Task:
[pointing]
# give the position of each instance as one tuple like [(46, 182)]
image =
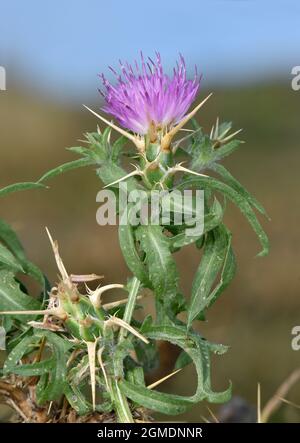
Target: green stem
[(120, 401), (134, 289), (121, 404)]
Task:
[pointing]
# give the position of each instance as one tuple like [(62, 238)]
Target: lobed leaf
[(13, 299), (54, 385), (172, 404), (235, 197)]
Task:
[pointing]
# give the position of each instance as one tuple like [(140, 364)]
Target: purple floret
[(147, 96)]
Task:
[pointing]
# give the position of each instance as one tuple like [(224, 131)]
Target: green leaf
[(147, 355), (154, 400), (14, 339), (40, 387), (55, 340), (172, 404), (202, 153), (136, 376), (25, 346), (2, 338), (39, 368), (227, 274), (99, 145), (235, 197), (13, 299), (54, 386), (184, 359), (77, 399), (197, 137), (20, 187), (211, 220), (225, 150), (130, 254), (9, 237), (218, 348), (75, 389), (80, 150), (160, 263), (8, 260), (75, 164), (216, 251), (54, 367), (7, 323), (178, 304), (117, 148), (231, 181), (110, 172)]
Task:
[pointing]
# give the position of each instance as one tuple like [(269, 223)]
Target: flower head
[(145, 99)]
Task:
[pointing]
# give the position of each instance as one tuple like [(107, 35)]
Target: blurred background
[(52, 53)]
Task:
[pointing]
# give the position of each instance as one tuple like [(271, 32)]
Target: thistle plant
[(82, 355)]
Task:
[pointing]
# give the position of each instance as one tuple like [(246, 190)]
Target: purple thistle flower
[(146, 98)]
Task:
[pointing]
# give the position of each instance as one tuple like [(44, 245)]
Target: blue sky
[(60, 46)]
